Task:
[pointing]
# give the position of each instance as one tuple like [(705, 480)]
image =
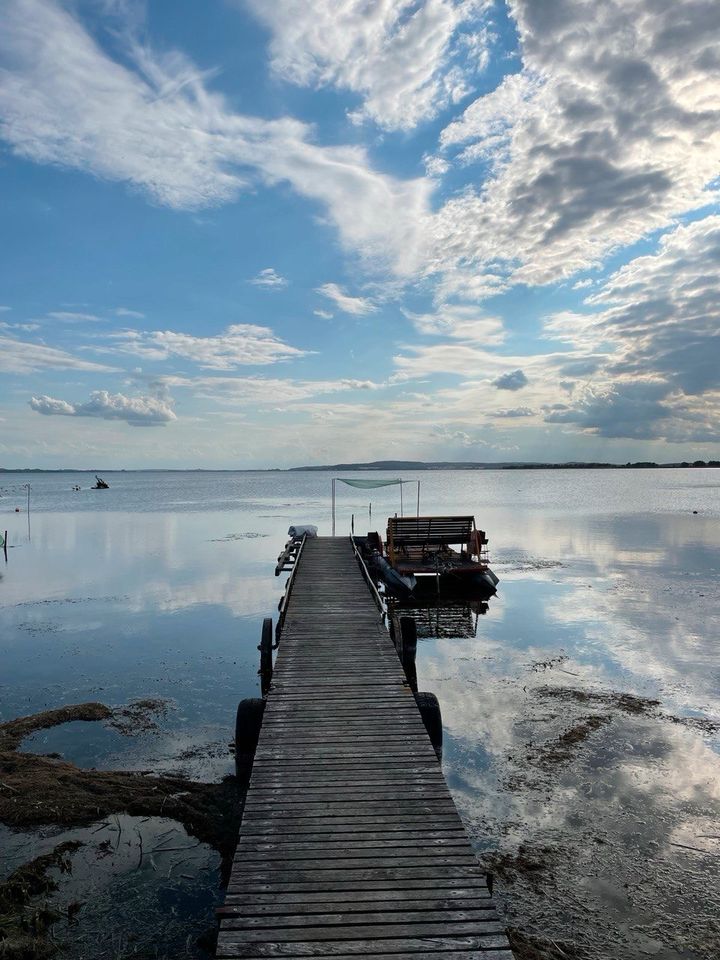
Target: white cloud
[(462, 358), (461, 322), (250, 391), (131, 314), (470, 285), (137, 411), (611, 129), (457, 437), (489, 121), (21, 356), (324, 314), (357, 306), (403, 57), (65, 316), (241, 344), (269, 278), (151, 122), (435, 166), (25, 327)]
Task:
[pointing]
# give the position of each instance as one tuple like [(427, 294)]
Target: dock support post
[(333, 506)]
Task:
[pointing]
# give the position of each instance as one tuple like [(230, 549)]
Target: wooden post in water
[(333, 506)]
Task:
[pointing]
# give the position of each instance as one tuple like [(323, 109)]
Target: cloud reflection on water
[(632, 608)]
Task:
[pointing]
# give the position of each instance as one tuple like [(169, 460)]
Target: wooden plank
[(377, 809), (408, 750), (415, 885), (327, 874), (280, 907), (351, 842), (344, 779), (387, 823), (320, 859), (234, 918), (376, 931), (422, 952), (365, 897), (496, 946), (339, 839), (346, 792), (370, 766)]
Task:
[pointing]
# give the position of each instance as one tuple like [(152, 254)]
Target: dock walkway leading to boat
[(350, 843)]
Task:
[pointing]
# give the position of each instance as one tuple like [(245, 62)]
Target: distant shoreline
[(383, 465)]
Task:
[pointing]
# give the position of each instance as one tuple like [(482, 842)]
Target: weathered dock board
[(350, 842)]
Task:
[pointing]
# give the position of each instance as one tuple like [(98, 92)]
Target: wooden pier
[(350, 843)]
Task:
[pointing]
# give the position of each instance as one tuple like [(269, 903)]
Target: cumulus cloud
[(136, 411), (514, 412), (659, 319), (624, 410), (21, 356), (151, 121), (457, 437), (269, 278), (241, 344), (357, 306), (405, 58), (514, 380), (664, 309), (610, 130)]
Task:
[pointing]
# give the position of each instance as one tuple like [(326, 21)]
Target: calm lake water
[(598, 815)]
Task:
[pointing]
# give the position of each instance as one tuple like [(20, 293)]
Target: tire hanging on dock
[(266, 647), (429, 708), (248, 722)]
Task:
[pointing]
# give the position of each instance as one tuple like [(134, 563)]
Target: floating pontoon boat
[(443, 555)]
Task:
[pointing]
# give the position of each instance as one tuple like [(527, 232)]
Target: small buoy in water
[(17, 509), (694, 511)]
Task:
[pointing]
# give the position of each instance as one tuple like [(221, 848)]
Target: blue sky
[(249, 234)]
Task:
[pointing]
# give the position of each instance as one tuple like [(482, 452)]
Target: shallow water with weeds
[(580, 707)]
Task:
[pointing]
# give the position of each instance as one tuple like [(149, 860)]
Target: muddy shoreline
[(46, 790)]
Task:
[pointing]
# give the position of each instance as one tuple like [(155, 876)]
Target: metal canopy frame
[(400, 482)]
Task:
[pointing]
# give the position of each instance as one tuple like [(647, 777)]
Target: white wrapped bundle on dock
[(302, 530)]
